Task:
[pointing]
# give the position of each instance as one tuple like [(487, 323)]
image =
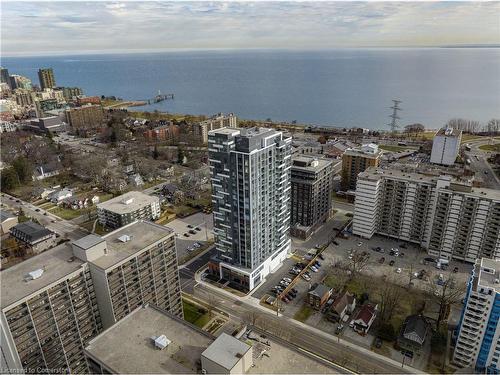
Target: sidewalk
[(256, 303)]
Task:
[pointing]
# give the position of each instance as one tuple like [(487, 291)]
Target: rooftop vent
[(124, 238), (128, 201), (161, 342), (33, 275), (497, 281)]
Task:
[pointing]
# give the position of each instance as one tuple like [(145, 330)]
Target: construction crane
[(394, 116)]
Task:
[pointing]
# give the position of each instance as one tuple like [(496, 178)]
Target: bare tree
[(469, 126), (389, 294), (356, 264), (445, 295), (493, 126), (252, 317)]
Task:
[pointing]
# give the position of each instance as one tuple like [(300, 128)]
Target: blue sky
[(31, 28)]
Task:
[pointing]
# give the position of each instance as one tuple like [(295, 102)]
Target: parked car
[(190, 226), (186, 234), (317, 264), (197, 244), (455, 270), (398, 270), (197, 228), (192, 231), (314, 269), (391, 263), (378, 342), (320, 256), (288, 280), (306, 277), (37, 210), (381, 260), (360, 244)]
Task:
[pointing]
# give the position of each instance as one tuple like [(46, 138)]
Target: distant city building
[(162, 133), (71, 93), (4, 76), (450, 218), (83, 100), (126, 208), (86, 119), (355, 161), (49, 124), (42, 107), (23, 97), (8, 126), (19, 82), (478, 344), (312, 184), (34, 236), (46, 78), (250, 174), (218, 121), (445, 146)]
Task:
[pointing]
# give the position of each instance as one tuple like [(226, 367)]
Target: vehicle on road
[(190, 226), (186, 234), (398, 270), (17, 201), (391, 263), (360, 244), (53, 221), (37, 210), (45, 213), (485, 172), (197, 244), (378, 342)]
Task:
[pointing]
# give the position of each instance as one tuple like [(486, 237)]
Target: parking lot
[(186, 234)]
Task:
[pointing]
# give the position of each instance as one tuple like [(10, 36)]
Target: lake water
[(345, 87)]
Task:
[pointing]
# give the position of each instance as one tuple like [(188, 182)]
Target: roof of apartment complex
[(56, 264), (31, 231), (309, 164), (459, 185), (128, 240), (449, 132), (128, 346), (128, 202), (226, 351), (488, 273), (5, 215)]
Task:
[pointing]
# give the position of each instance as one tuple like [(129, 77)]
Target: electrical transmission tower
[(395, 108)]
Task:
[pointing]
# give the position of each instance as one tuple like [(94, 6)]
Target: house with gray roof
[(413, 334), (34, 236)]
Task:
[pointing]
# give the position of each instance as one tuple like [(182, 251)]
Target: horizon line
[(221, 49)]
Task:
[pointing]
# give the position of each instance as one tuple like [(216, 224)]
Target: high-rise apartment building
[(49, 313), (85, 119), (46, 78), (250, 174), (445, 146), (478, 339), (132, 266), (4, 76), (311, 197), (355, 161), (70, 93), (19, 82), (54, 303), (218, 121), (450, 218)]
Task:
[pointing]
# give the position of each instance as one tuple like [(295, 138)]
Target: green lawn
[(303, 314), (494, 148), (65, 213), (194, 314)]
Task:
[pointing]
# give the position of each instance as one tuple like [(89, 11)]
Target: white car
[(287, 279), (196, 244), (398, 270), (305, 277), (314, 269), (360, 243)]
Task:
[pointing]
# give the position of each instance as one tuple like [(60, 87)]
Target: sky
[(71, 27)]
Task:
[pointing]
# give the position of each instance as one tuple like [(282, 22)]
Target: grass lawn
[(303, 314), (104, 197), (194, 314), (494, 148), (65, 213)]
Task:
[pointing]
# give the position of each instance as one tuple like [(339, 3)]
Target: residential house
[(413, 334), (364, 319), (169, 190), (47, 170), (42, 192), (318, 296), (34, 236), (342, 307), (75, 203), (135, 180), (60, 195), (8, 221), (95, 199)]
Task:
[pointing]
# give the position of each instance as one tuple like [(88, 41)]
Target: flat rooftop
[(359, 152), (489, 274), (128, 202), (141, 234), (449, 132), (127, 347), (309, 163), (226, 351), (57, 263), (88, 241)]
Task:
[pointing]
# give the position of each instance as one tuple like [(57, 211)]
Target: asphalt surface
[(63, 228), (187, 271), (480, 165), (296, 334)]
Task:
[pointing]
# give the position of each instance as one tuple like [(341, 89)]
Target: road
[(479, 164), (295, 333), (63, 228)]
